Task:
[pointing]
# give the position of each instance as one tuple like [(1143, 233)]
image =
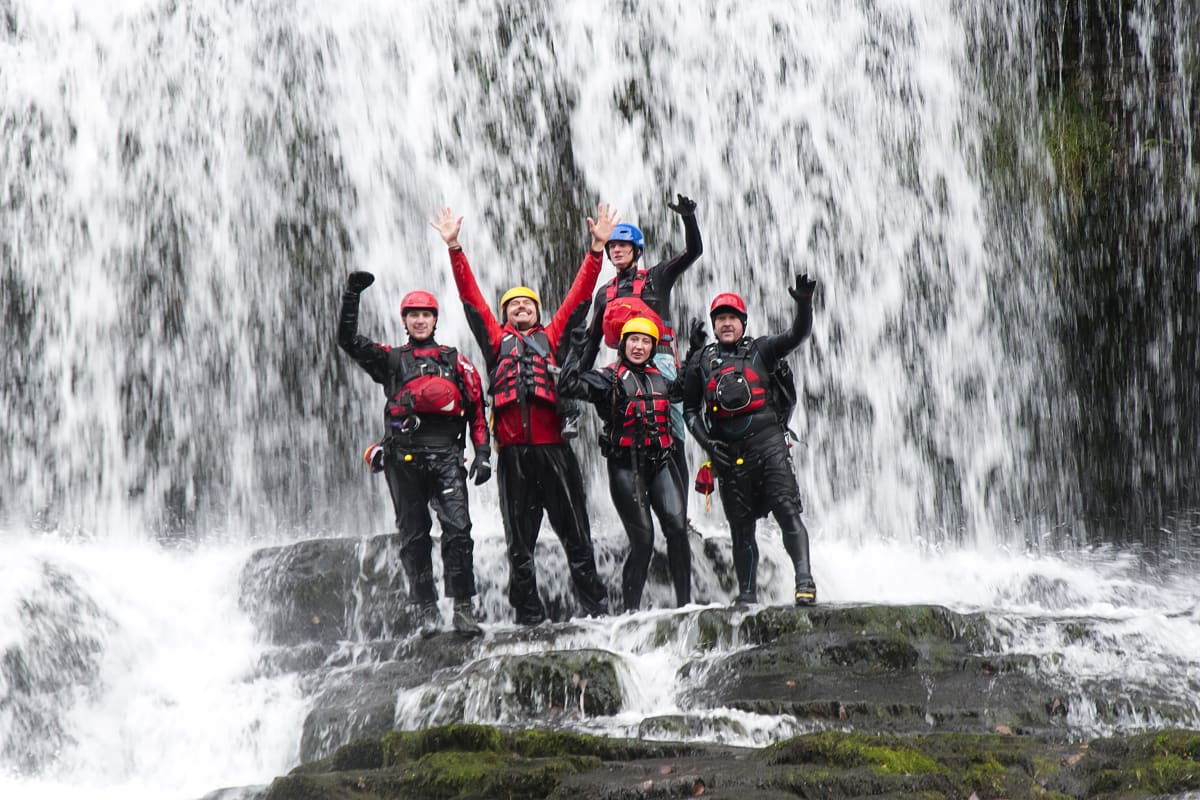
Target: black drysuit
[(424, 469), (764, 481), (642, 472)]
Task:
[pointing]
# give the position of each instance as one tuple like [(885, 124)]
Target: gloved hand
[(481, 468), (683, 205), (359, 280), (697, 335), (803, 290), (720, 455), (579, 337)]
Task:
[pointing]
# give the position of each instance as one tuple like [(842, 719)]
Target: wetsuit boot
[(465, 624), (795, 541), (429, 621)]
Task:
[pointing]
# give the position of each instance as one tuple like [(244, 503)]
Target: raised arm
[(667, 272), (589, 272), (484, 327), (369, 355), (775, 348)]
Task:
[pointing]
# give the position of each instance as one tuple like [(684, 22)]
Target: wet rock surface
[(866, 700)]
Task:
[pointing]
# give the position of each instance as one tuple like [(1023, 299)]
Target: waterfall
[(997, 199)]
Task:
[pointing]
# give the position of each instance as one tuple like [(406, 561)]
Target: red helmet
[(728, 300), (416, 300)]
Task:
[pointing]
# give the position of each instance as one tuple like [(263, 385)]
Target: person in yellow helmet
[(536, 471), (633, 399)]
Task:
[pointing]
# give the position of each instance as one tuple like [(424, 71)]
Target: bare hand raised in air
[(602, 226), (447, 227)]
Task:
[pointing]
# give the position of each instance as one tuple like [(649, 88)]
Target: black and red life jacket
[(645, 419), (425, 380), (619, 310), (735, 383), (524, 369)]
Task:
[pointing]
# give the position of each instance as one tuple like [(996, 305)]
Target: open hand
[(683, 205), (602, 226), (447, 227), (803, 290)]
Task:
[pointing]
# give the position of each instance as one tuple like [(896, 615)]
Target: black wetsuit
[(656, 293), (764, 481), (633, 402), (424, 467)]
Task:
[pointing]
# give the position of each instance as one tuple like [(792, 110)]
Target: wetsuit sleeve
[(579, 293), (371, 356), (484, 327), (692, 392), (774, 349), (478, 413), (665, 274), (591, 347)]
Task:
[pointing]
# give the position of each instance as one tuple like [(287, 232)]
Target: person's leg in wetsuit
[(631, 500), (559, 485), (521, 511), (411, 485), (667, 498), (736, 487), (783, 494), (449, 502)]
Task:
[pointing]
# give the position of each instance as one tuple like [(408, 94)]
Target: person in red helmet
[(735, 416), (633, 398), (537, 471), (434, 395)]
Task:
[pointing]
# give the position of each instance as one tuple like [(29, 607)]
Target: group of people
[(538, 370)]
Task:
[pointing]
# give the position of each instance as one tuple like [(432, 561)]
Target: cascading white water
[(186, 184)]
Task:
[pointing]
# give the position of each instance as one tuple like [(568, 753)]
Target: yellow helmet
[(640, 325), (519, 291)]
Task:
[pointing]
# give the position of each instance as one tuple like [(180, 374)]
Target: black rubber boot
[(806, 592), (429, 621), (464, 620)]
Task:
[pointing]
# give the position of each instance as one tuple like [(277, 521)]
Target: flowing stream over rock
[(997, 403)]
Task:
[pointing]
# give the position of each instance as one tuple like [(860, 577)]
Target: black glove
[(697, 335), (359, 280), (720, 455), (802, 292), (684, 206), (481, 468), (579, 337)]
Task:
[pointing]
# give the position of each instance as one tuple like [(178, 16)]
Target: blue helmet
[(628, 233)]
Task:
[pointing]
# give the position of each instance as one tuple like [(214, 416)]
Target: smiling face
[(621, 254), (638, 348), (728, 327), (419, 322), (521, 312)]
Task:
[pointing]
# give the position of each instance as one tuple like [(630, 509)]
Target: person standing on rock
[(733, 409), (433, 395), (537, 470), (637, 292), (633, 398)]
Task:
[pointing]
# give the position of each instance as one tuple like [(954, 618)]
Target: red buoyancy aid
[(733, 386), (524, 369), (645, 421), (425, 380), (619, 310)]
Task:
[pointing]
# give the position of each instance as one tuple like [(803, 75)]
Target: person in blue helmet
[(646, 293)]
